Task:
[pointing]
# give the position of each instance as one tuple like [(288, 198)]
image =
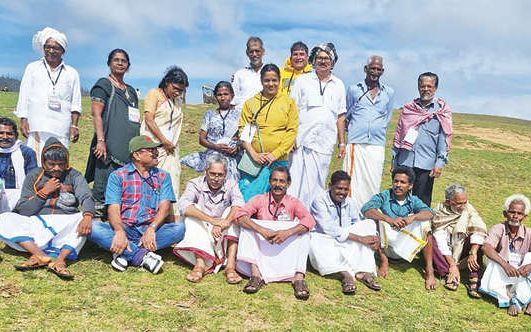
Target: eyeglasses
[(150, 150), (215, 175), (52, 48), (323, 59)]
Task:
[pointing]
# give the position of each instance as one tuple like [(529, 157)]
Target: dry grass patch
[(506, 138)]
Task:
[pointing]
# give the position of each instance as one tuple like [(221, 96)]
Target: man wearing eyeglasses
[(274, 240), (49, 102), (209, 204), (369, 110), (138, 198)]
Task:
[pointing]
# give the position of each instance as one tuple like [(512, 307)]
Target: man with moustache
[(274, 239), (138, 199), (341, 242), (246, 81), (508, 250), (320, 99), (47, 221), (423, 136), (16, 161), (209, 204), (297, 64), (458, 234), (369, 110), (403, 222), (49, 102)]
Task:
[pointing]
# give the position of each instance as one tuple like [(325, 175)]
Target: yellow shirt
[(277, 122), (288, 74)]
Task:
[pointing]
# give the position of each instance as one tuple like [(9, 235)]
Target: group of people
[(262, 207)]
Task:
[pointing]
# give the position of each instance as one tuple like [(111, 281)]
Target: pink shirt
[(498, 238), (264, 207)]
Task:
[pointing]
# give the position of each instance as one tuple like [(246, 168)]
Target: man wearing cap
[(138, 197), (320, 98), (49, 102)]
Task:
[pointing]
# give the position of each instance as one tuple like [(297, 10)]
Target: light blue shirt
[(367, 119), (430, 148), (387, 203)]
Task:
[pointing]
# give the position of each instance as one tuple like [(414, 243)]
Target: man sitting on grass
[(508, 249), (138, 197), (46, 220), (274, 245), (404, 223), (458, 233), (341, 242)]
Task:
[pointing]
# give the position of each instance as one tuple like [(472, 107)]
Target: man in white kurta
[(369, 110), (246, 81), (49, 102), (209, 204), (320, 99), (341, 242)]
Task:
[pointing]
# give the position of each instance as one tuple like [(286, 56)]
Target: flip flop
[(60, 270), (472, 289), (301, 290), (254, 285), (33, 263), (451, 285), (232, 277)]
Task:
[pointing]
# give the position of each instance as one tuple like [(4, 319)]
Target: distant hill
[(13, 85)]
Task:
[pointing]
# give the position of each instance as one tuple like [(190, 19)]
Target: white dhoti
[(327, 255), (276, 262), (364, 163), (37, 139), (8, 199), (406, 242), (308, 170), (198, 240), (507, 290), (51, 233)]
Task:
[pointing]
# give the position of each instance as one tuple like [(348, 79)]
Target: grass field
[(491, 156)]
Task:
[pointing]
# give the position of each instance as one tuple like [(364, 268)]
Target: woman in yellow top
[(163, 120), (275, 126)]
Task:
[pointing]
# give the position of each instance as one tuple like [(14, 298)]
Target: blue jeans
[(167, 234)]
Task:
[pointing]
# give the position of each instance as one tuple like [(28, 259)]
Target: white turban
[(42, 36)]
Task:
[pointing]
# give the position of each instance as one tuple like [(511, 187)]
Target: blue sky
[(480, 49)]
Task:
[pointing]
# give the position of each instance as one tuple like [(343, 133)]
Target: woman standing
[(163, 120), (268, 127), (217, 133), (116, 120)]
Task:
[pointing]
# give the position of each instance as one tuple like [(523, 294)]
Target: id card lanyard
[(54, 83)]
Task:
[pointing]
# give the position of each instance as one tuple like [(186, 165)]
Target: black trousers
[(423, 186)]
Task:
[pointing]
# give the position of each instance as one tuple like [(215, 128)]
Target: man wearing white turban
[(49, 102)]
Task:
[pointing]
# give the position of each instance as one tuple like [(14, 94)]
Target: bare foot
[(383, 270), (528, 309), (512, 310), (431, 282)]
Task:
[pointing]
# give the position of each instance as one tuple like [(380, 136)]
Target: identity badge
[(54, 103), (134, 114)]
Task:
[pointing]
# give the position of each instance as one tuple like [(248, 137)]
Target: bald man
[(369, 109)]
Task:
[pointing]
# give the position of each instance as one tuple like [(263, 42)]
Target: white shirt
[(37, 88), (319, 107), (246, 83)]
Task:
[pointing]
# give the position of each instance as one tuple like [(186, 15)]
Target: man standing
[(458, 233), (423, 136), (404, 223), (508, 250), (138, 197), (16, 161), (341, 242), (49, 102), (246, 81), (297, 64), (369, 110), (274, 244), (320, 98), (209, 204), (47, 221)]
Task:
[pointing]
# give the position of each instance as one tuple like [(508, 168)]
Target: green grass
[(101, 299)]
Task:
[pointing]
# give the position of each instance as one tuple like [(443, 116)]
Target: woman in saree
[(116, 119), (163, 119), (217, 133), (267, 129)]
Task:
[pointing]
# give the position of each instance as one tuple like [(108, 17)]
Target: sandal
[(254, 285), (232, 277), (451, 285), (369, 281), (33, 263), (472, 289), (300, 289), (196, 275), (60, 270), (348, 287)]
